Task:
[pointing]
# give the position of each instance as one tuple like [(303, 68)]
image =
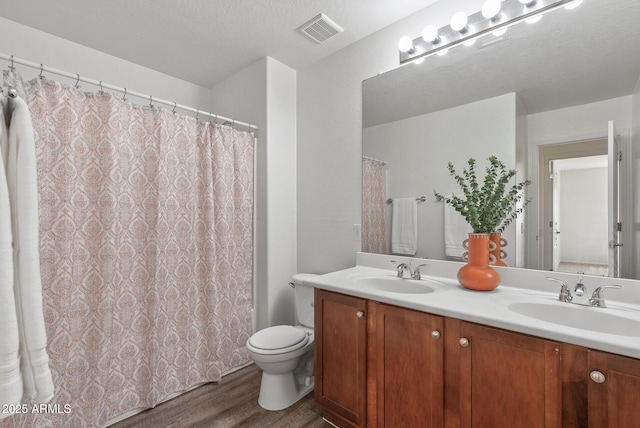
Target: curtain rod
[(13, 60), (368, 158)]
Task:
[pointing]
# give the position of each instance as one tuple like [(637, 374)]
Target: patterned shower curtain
[(374, 238), (146, 246)]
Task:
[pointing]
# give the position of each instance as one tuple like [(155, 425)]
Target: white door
[(555, 215), (614, 227)]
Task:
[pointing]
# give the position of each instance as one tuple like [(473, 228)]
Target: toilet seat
[(279, 339)]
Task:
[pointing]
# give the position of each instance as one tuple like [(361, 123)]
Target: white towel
[(23, 194), (10, 378), (404, 226), (456, 230)]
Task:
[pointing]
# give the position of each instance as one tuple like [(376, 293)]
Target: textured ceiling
[(570, 57), (206, 41)]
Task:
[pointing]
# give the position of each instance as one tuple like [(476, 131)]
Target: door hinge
[(620, 156), (619, 226)]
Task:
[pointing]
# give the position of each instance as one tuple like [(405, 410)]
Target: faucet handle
[(565, 293), (597, 298), (416, 273)]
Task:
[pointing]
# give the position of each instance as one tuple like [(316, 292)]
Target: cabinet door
[(508, 379), (614, 389), (340, 357), (408, 360)]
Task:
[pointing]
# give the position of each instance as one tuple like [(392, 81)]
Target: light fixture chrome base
[(511, 13)]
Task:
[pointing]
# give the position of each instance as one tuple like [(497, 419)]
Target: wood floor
[(232, 402)]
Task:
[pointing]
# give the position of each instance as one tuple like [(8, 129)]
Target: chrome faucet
[(417, 274), (597, 298), (579, 288), (403, 267), (565, 293)]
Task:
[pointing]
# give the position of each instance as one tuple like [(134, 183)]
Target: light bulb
[(419, 61), (442, 52), (528, 3), (405, 44), (573, 4), (459, 22), (430, 34), (491, 8), (470, 42)]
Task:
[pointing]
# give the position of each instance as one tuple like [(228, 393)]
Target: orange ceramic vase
[(498, 252), (477, 274)]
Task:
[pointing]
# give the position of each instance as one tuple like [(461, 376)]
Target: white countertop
[(491, 307)]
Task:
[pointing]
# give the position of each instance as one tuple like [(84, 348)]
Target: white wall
[(40, 47), (265, 94), (281, 183), (579, 122), (329, 138), (436, 139), (583, 216)]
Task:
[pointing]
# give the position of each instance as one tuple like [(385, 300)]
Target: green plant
[(492, 207)]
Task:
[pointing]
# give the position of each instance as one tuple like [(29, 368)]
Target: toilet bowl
[(285, 353)]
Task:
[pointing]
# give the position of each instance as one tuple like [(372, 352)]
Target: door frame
[(546, 154)]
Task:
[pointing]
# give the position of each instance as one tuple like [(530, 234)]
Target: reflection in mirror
[(557, 82)]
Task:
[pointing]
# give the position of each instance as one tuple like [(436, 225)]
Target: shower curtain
[(374, 239), (146, 246)]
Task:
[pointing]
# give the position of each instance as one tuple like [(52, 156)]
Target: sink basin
[(600, 320), (394, 284)]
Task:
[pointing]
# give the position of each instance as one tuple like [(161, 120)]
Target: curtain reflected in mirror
[(374, 237)]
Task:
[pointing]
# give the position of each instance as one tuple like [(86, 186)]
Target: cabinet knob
[(360, 314), (435, 334), (464, 342), (597, 376)]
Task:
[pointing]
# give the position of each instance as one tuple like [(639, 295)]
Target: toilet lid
[(278, 338)]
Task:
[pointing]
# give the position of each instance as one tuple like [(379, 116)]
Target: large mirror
[(548, 99)]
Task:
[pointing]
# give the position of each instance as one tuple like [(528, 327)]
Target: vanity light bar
[(477, 25)]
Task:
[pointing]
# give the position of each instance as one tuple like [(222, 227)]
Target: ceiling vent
[(320, 28)]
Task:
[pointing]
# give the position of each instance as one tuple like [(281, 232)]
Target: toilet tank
[(304, 299)]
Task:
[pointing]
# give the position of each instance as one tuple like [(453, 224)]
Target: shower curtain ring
[(41, 69), (11, 67), (151, 101), (197, 114), (124, 97), (174, 107), (101, 90), (77, 85)]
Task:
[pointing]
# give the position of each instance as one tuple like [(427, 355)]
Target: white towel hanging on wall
[(456, 230), (404, 226)]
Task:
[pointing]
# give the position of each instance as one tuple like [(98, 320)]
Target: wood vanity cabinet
[(379, 365), (405, 362), (613, 391), (497, 378), (599, 389), (340, 357)]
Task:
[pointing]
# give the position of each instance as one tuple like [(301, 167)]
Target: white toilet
[(285, 353)]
